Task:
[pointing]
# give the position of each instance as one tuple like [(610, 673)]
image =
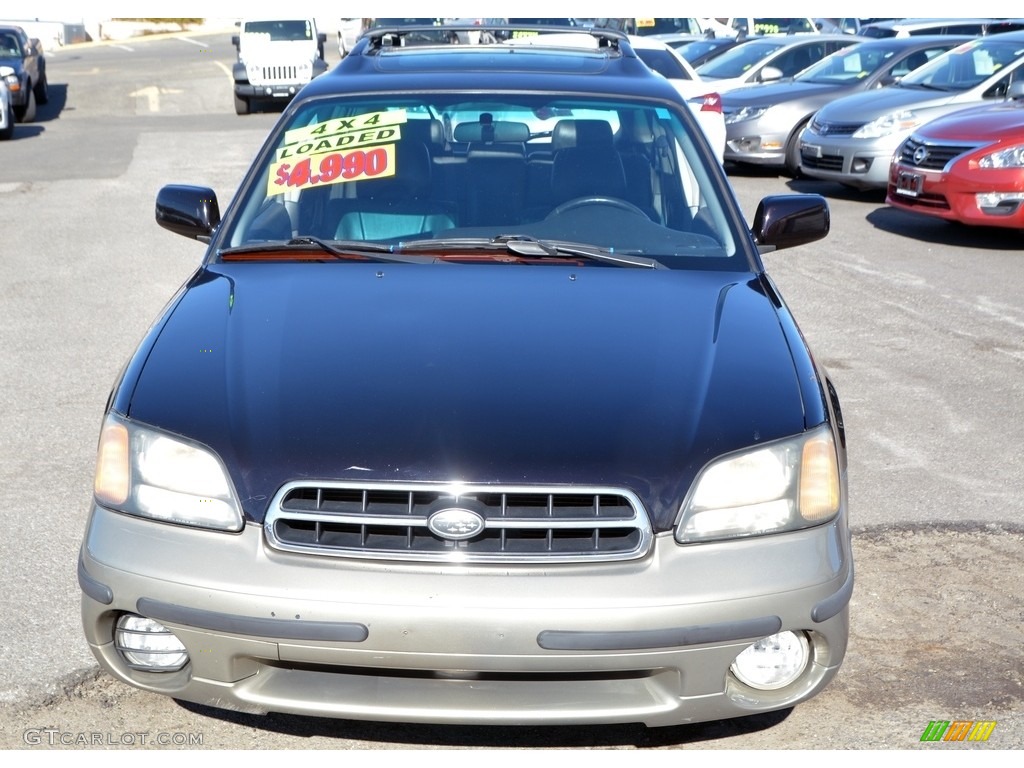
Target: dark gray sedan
[(763, 122)]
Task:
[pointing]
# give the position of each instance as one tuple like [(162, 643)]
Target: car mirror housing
[(188, 210), (785, 221)]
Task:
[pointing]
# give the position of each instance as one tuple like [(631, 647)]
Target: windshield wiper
[(340, 249), (532, 247)]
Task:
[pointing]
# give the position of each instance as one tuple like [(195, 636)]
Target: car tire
[(27, 113), (241, 105), (42, 89), (793, 151)]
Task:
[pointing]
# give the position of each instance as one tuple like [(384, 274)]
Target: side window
[(916, 59), (963, 29), (1000, 88)]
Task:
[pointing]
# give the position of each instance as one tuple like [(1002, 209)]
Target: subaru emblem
[(455, 524)]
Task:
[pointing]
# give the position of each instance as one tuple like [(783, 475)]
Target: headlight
[(894, 122), (1011, 157), (782, 486), (745, 113), (145, 472)]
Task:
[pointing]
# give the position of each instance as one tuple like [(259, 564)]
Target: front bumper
[(645, 641), (954, 195), (276, 91), (859, 164), (757, 149)]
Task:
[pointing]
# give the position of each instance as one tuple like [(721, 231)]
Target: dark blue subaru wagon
[(480, 408)]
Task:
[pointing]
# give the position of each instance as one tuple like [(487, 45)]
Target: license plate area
[(811, 150), (909, 184)]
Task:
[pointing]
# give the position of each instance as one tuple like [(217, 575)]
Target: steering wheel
[(613, 202)]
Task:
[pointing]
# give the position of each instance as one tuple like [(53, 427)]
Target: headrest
[(412, 175), (427, 131), (581, 133)]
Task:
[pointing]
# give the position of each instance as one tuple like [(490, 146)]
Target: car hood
[(864, 107), (781, 92), (479, 373), (1000, 122)]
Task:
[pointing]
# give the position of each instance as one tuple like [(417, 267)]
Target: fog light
[(860, 165), (999, 203), (149, 645), (773, 662)]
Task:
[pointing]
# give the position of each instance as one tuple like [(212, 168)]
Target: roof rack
[(383, 38)]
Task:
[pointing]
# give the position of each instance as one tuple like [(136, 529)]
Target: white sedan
[(703, 99)]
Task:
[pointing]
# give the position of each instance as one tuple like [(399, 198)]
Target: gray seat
[(397, 206)]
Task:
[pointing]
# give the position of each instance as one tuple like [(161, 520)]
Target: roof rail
[(384, 37)]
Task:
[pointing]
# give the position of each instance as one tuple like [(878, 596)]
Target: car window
[(280, 29), (951, 29), (912, 61), (967, 65), (667, 26), (737, 61), (609, 173), (9, 45), (664, 63), (774, 26), (797, 59), (849, 65)]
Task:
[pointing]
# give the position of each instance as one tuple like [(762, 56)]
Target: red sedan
[(967, 166)]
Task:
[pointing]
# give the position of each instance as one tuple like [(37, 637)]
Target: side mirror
[(769, 73), (187, 210), (785, 221)]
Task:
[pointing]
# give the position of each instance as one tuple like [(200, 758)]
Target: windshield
[(967, 65), (667, 26), (390, 170), (280, 29), (737, 61), (860, 61)]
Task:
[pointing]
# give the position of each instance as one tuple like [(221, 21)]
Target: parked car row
[(826, 104), (937, 121)]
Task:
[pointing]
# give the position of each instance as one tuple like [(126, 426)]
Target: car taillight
[(712, 102)]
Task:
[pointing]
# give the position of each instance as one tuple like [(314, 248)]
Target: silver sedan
[(763, 122), (852, 139)]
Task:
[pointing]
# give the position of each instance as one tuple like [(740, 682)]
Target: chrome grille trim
[(834, 129), (936, 155), (280, 74), (522, 524)]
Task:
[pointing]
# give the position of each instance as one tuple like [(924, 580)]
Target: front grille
[(825, 162), (289, 74), (519, 524), (834, 129), (931, 156)]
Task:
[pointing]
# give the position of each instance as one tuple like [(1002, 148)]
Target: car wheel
[(793, 151), (241, 105), (42, 90), (27, 113)]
